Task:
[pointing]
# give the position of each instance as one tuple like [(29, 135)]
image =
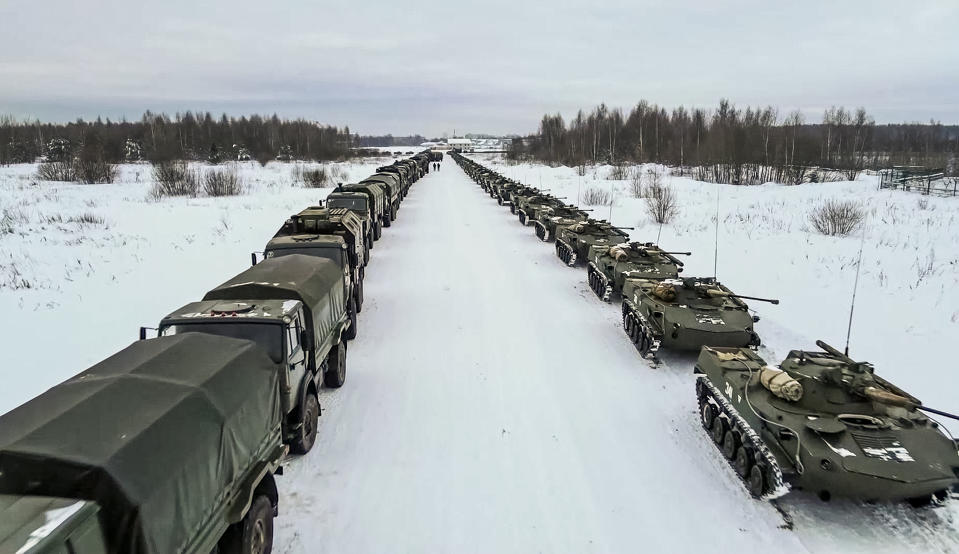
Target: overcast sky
[(493, 66)]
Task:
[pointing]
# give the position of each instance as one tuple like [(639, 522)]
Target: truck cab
[(331, 247), (359, 204), (277, 326), (296, 309)]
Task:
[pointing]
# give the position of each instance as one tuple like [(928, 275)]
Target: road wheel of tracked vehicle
[(253, 534), (756, 482), (350, 333), (743, 463), (707, 414), (718, 430), (307, 433), (731, 444), (335, 374)]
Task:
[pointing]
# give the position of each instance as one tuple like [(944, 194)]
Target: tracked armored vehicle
[(521, 195), (547, 220), (529, 207), (573, 241), (686, 314), (824, 423), (609, 266), (502, 190)]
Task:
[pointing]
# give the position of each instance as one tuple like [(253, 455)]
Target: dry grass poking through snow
[(837, 217)]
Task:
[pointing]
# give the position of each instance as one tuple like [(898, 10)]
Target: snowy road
[(493, 405)]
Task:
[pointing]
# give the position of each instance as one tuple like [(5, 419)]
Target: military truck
[(609, 266), (686, 314), (403, 176), (330, 247), (822, 422), (358, 203), (548, 220), (377, 201), (295, 307), (169, 445), (390, 184), (573, 241), (331, 221)]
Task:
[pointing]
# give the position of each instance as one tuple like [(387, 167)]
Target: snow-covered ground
[(493, 404)]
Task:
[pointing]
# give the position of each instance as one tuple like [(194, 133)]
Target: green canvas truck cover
[(156, 435), (314, 281)]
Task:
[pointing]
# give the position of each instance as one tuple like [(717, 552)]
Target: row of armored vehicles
[(818, 421), (172, 444)]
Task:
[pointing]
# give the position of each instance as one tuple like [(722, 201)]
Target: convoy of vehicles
[(820, 421), (172, 444)]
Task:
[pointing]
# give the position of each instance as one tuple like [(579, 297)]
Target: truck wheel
[(387, 220), (350, 333), (335, 374), (307, 435), (366, 251), (360, 297), (393, 213), (252, 535)]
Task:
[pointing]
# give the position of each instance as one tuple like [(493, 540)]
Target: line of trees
[(187, 136), (736, 145)]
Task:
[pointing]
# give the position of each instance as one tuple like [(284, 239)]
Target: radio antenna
[(855, 287), (716, 245)]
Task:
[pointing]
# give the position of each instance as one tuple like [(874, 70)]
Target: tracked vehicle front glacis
[(686, 314), (573, 241), (824, 423), (609, 266)]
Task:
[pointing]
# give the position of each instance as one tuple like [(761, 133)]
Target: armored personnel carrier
[(573, 241), (609, 266), (521, 195), (502, 190), (686, 314), (824, 423), (530, 207), (549, 218)]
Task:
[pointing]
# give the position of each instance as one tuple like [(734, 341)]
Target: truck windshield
[(328, 252), (267, 335), (355, 204)]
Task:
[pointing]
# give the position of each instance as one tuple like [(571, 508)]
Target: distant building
[(461, 144)]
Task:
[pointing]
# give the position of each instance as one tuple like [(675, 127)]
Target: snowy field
[(493, 404)]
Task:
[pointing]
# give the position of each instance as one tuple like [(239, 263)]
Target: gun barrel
[(679, 253), (716, 292), (834, 352)]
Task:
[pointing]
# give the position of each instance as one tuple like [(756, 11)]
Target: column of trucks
[(173, 443)]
